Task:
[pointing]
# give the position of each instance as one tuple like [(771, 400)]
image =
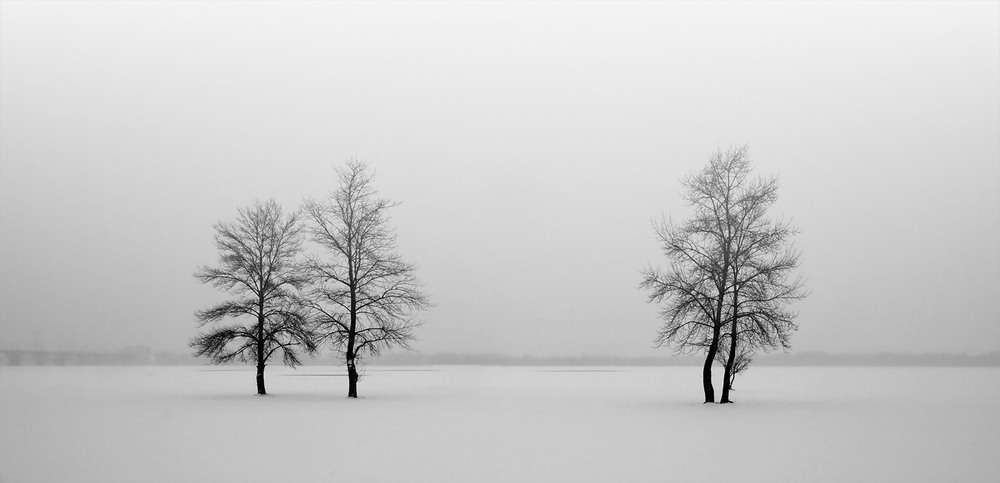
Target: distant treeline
[(991, 359), (131, 357), (495, 359)]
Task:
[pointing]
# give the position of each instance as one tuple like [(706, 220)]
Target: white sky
[(531, 144)]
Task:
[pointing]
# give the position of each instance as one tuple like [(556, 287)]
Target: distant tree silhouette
[(257, 265), (365, 296), (728, 278)]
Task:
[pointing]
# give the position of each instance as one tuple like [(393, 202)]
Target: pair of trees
[(357, 294), (729, 285)]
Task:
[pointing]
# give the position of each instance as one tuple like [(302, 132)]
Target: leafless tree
[(365, 295), (722, 261), (257, 265)]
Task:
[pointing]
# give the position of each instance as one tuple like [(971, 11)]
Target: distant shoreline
[(991, 359), (808, 358)]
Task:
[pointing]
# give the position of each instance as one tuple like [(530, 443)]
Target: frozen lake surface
[(504, 424)]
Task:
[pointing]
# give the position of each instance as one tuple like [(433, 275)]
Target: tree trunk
[(727, 381), (706, 373), (260, 379), (260, 348), (352, 379), (727, 378), (352, 371)]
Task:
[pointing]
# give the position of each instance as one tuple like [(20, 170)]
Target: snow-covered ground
[(482, 424)]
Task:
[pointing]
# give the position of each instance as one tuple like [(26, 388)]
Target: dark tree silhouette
[(365, 295), (700, 250), (729, 269), (257, 265)]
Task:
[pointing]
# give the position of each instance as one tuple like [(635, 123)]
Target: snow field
[(497, 424)]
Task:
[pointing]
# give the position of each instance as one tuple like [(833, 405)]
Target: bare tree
[(365, 295), (256, 264), (722, 261)]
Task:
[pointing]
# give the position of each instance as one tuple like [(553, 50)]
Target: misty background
[(531, 146)]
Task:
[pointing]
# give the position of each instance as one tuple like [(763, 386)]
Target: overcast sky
[(531, 145)]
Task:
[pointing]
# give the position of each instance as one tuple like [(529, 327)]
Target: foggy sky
[(530, 145)]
